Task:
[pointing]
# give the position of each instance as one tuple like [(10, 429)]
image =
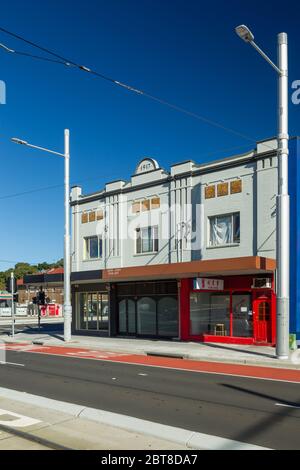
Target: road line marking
[(143, 375), (288, 406), (4, 363), (202, 371), (19, 421)]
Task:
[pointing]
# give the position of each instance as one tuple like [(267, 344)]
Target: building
[(185, 254), (51, 282)]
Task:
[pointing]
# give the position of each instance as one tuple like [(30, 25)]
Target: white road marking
[(288, 406), (143, 375), (4, 363), (17, 421), (181, 369)]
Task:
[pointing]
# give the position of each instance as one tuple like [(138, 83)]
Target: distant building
[(51, 281)]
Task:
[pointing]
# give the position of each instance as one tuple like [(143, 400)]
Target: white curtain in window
[(221, 230)]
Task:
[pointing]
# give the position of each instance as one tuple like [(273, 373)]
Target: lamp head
[(244, 33), (19, 141)]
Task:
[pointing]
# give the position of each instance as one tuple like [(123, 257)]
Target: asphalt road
[(236, 408), (22, 326)]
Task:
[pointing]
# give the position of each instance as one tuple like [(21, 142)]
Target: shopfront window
[(92, 311), (146, 316), (127, 322), (148, 309), (122, 316), (167, 317), (210, 313), (242, 314)]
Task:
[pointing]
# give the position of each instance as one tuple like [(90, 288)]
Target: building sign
[(203, 283), (21, 310), (145, 165), (5, 312)]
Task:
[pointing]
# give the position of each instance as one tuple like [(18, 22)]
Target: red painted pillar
[(184, 303), (273, 317)]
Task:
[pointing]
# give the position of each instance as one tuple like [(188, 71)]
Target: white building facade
[(185, 254)]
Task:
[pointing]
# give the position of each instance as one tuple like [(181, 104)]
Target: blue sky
[(184, 51)]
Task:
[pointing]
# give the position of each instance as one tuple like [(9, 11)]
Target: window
[(92, 216), (167, 316), (146, 205), (93, 247), (210, 313), (155, 203), (147, 240), (242, 314), (146, 316), (136, 207), (92, 313), (100, 215), (210, 192), (235, 186), (224, 229), (222, 189), (84, 218)]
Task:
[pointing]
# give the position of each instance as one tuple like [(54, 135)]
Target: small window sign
[(203, 283)]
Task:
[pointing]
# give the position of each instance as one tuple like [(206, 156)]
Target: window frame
[(154, 240), (235, 240), (87, 248)]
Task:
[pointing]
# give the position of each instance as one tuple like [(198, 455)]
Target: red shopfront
[(230, 310)]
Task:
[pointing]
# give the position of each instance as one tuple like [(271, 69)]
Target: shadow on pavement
[(273, 420), (247, 351)]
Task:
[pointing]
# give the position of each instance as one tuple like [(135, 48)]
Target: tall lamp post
[(283, 204), (67, 270)]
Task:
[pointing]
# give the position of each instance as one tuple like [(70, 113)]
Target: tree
[(21, 269)]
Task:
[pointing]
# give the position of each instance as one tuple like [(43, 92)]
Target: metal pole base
[(282, 342), (67, 322)]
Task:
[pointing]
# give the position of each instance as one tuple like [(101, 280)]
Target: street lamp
[(283, 203), (67, 273)]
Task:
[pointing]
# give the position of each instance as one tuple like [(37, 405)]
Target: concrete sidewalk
[(212, 352), (30, 426)]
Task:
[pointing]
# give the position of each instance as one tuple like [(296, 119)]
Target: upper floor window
[(84, 218), (92, 216), (145, 205), (147, 240), (224, 229), (93, 247)]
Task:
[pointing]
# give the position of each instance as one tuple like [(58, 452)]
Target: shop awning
[(220, 267)]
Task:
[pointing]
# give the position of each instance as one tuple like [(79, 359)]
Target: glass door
[(127, 317), (242, 314), (93, 311)]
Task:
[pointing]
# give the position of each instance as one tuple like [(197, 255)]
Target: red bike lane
[(220, 368)]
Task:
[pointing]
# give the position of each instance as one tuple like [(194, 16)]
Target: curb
[(184, 437)]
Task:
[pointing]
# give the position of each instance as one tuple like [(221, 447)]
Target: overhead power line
[(45, 188), (67, 62)]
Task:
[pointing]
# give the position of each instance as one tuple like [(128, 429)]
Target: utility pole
[(67, 248), (283, 205), (12, 289), (67, 258), (282, 200)]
